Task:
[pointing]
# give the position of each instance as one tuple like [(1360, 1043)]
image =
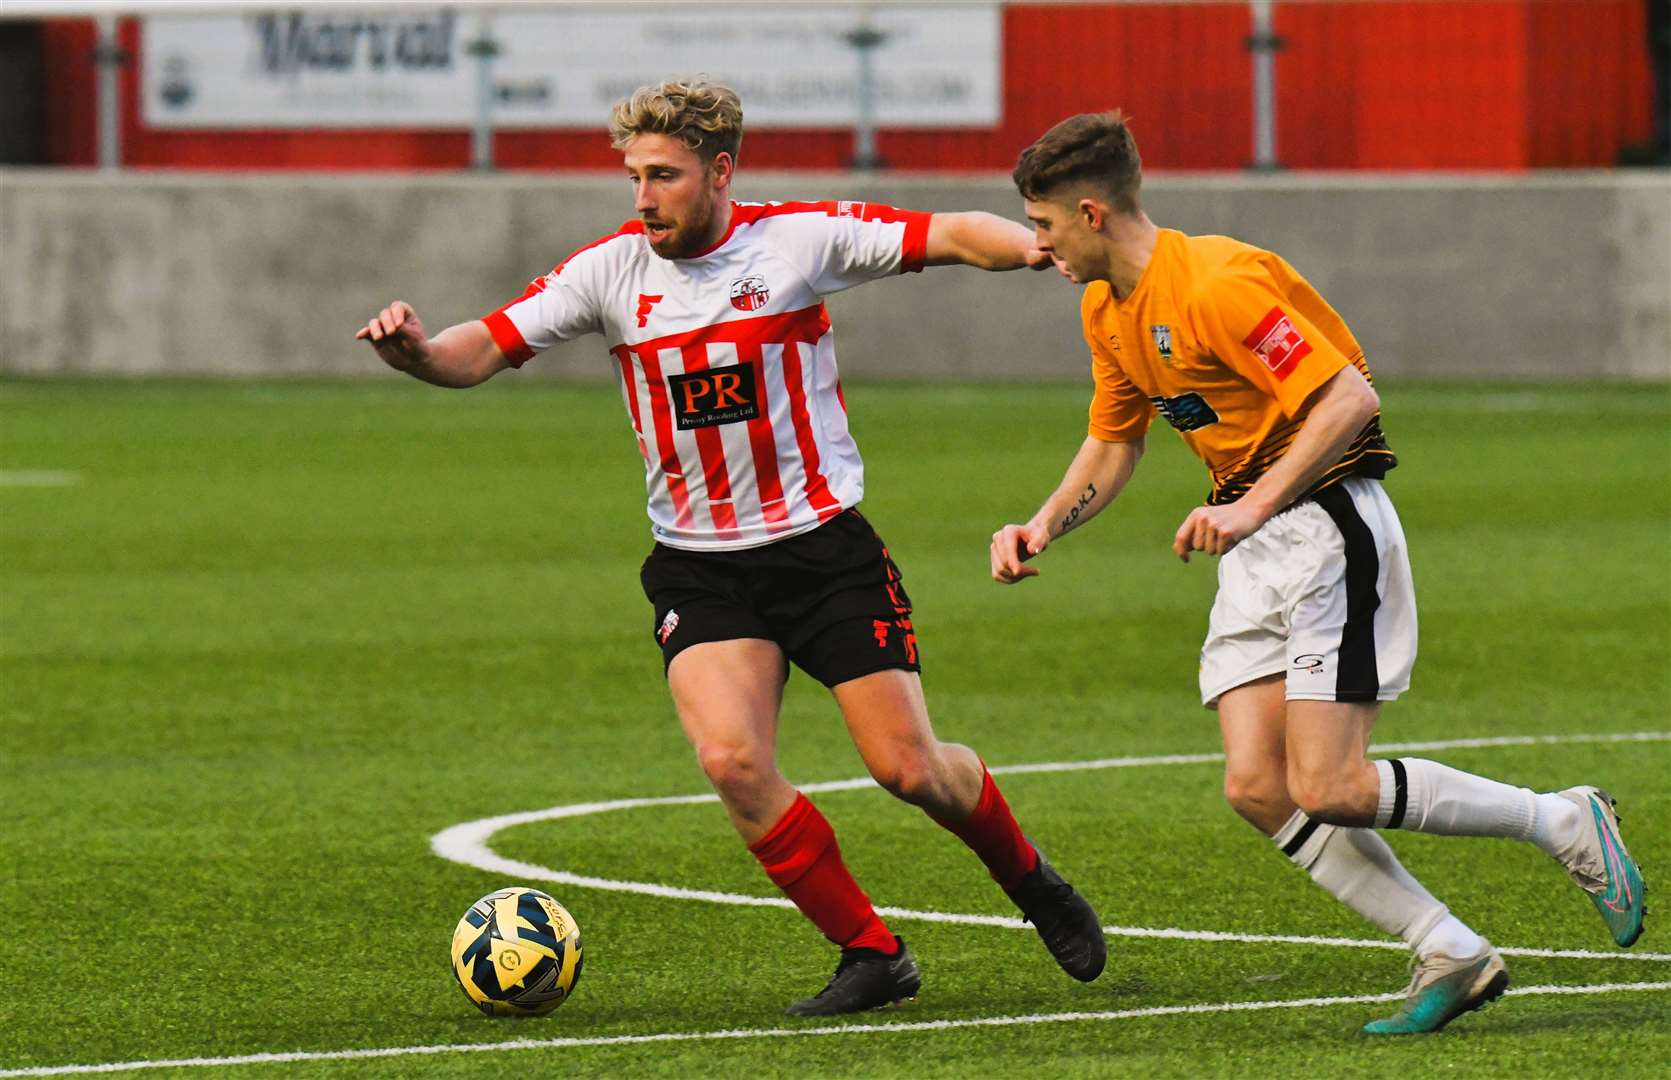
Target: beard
[(683, 238)]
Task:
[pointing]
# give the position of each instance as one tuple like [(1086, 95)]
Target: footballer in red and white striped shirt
[(713, 313)]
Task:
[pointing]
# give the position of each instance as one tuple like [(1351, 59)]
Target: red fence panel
[(1400, 84)]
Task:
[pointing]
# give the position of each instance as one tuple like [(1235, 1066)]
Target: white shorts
[(1322, 592)]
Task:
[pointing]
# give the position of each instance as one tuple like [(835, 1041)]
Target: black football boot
[(864, 979)]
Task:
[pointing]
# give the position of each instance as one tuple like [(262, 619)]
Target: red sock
[(991, 832), (802, 858)]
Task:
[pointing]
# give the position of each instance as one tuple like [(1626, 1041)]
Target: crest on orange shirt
[(1162, 334)]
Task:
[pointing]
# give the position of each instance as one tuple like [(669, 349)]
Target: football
[(517, 952)]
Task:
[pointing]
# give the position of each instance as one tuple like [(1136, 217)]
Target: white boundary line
[(779, 1033), (467, 843), (39, 478)]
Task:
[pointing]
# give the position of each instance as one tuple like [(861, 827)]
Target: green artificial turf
[(260, 642)]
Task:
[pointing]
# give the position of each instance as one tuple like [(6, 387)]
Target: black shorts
[(831, 598)]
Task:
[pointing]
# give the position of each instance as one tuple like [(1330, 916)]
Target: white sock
[(1356, 867), (1559, 827), (1425, 796), (1452, 938)]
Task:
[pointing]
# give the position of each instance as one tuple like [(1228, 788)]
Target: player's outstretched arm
[(1097, 474), (986, 241), (459, 356)]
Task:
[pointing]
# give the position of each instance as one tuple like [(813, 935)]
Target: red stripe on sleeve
[(508, 337), (914, 248)]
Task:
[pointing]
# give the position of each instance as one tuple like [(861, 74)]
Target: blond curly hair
[(705, 116)]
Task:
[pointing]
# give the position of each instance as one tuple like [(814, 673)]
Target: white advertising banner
[(936, 66)]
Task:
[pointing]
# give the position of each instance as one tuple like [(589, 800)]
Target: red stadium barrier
[(1479, 84)]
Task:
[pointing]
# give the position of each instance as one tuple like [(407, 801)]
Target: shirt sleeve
[(1120, 412), (560, 306), (1246, 321), (849, 243)]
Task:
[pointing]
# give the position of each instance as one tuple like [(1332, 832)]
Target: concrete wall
[(1546, 275)]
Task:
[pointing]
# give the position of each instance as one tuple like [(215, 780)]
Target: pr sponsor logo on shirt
[(1277, 343), (749, 293), (715, 396)]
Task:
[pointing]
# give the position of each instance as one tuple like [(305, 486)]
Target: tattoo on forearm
[(1079, 508)]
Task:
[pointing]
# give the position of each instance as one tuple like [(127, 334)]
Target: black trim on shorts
[(1357, 678)]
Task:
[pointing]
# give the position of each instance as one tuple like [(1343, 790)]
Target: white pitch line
[(38, 478), (781, 1033), (1379, 748), (467, 843)]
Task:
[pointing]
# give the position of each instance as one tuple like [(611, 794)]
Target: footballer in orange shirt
[(1314, 624)]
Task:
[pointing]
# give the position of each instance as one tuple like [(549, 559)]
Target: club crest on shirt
[(1162, 334), (749, 293)]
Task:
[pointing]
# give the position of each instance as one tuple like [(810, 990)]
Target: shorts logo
[(724, 395), (668, 625), (646, 301), (1310, 663), (1186, 412), (1162, 334), (1277, 344), (882, 627), (845, 208), (749, 293)]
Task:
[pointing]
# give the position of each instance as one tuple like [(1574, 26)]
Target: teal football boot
[(1602, 867), (1442, 989)]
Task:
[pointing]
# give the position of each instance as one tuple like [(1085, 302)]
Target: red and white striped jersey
[(726, 360)]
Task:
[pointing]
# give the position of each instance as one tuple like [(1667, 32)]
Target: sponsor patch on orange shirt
[(1278, 343)]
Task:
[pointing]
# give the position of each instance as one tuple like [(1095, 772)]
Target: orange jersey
[(1226, 342)]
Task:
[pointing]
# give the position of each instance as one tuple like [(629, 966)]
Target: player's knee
[(1253, 794), (1327, 797), (732, 766), (909, 776)]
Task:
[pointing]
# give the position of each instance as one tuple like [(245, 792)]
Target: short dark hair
[(1091, 148)]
